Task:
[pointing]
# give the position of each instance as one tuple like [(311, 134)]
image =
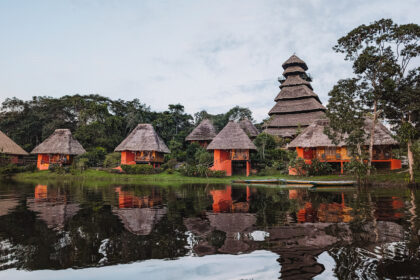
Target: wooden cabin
[(232, 150), (59, 148), (313, 143), (143, 146), (12, 150), (249, 128), (297, 105), (203, 134)]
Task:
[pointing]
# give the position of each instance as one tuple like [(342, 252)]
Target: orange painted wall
[(127, 157), (43, 162), (395, 164), (222, 161)]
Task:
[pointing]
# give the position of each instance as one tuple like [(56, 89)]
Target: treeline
[(98, 121)]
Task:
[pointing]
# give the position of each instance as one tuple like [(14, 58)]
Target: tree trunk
[(410, 160), (372, 136)]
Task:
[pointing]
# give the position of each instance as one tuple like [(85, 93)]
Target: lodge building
[(313, 143), (203, 134), (297, 106), (59, 148), (12, 150), (232, 150), (143, 146)]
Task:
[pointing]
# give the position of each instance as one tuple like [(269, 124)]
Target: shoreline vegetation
[(101, 177)]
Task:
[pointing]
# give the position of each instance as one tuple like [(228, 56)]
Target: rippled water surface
[(65, 231)]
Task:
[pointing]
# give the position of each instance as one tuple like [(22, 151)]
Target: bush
[(112, 160), (170, 164), (317, 168), (357, 168), (9, 169), (59, 169), (170, 171), (200, 171), (95, 157), (140, 169), (79, 165)]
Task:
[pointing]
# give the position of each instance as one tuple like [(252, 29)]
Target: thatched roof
[(282, 132), (295, 80), (249, 128), (296, 92), (143, 138), (60, 142), (294, 60), (204, 131), (231, 137), (314, 136), (293, 70), (294, 120), (8, 146), (140, 221), (299, 105)]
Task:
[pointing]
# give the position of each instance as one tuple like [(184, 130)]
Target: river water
[(77, 231)]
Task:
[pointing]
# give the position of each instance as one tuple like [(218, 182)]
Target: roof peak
[(293, 61)]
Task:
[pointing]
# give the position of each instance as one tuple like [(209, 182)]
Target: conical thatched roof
[(313, 136), (231, 137), (204, 131), (7, 146), (143, 138), (249, 128), (60, 142), (296, 104), (293, 61)]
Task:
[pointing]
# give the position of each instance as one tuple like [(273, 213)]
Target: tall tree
[(346, 114), (381, 53), (402, 108)]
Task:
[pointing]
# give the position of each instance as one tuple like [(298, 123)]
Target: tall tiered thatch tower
[(297, 105)]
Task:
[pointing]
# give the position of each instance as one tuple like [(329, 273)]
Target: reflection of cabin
[(228, 200), (203, 134), (297, 105), (142, 146), (312, 143), (9, 148), (249, 128), (59, 148), (52, 207), (231, 150), (127, 199)]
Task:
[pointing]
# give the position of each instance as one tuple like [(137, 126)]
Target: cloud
[(209, 55)]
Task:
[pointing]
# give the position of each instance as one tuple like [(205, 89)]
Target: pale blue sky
[(203, 54)]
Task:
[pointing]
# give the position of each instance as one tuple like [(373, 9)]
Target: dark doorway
[(239, 167)]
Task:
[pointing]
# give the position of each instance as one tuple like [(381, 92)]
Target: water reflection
[(345, 233)]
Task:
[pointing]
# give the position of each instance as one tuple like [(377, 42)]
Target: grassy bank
[(102, 177)]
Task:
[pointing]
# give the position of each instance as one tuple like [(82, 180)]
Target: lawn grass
[(99, 177)]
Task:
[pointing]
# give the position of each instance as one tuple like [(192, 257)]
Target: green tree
[(381, 53), (346, 113)]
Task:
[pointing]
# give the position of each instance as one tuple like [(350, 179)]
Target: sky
[(207, 55)]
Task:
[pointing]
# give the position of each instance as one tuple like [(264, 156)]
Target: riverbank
[(99, 177)]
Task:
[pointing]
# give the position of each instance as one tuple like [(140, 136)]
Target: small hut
[(142, 146), (9, 148), (249, 128), (203, 134), (313, 143), (59, 148), (231, 150)]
